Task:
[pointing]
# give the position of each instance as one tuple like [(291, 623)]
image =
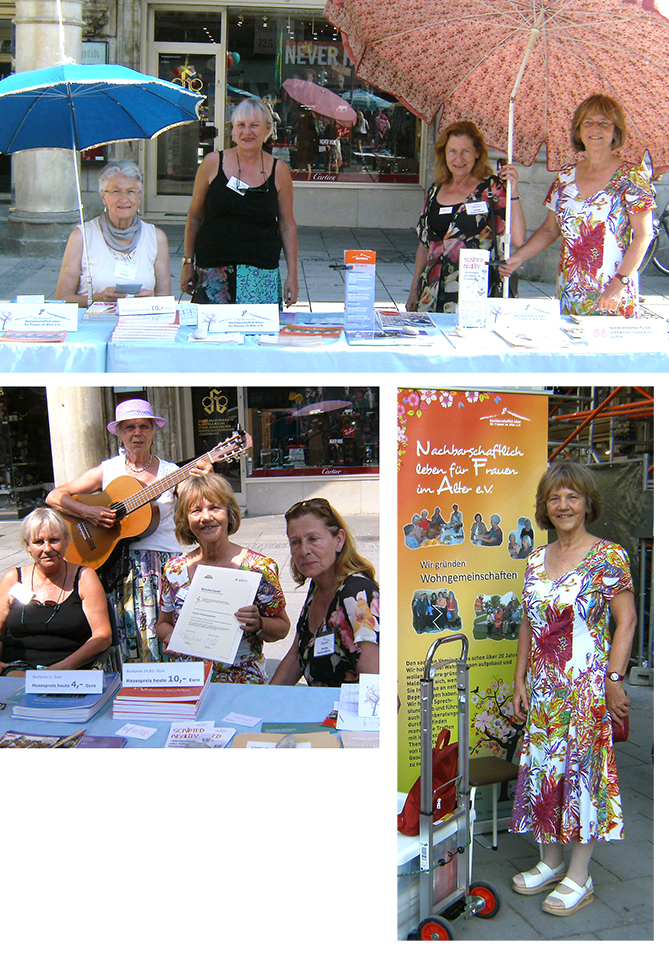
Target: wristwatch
[(623, 279), (614, 677), (187, 260)]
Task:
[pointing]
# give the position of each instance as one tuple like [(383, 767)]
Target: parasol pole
[(534, 36), (62, 60)]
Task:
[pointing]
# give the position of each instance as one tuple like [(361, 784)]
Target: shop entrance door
[(173, 158)]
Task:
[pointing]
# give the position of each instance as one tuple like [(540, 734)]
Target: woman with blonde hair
[(337, 635), (465, 208), (208, 514)]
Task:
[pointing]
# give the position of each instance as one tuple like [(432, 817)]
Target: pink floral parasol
[(320, 100), (518, 68)]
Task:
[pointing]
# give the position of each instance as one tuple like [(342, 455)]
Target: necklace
[(56, 605), (142, 468), (262, 164)]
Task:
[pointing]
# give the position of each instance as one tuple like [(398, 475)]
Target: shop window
[(215, 418), (378, 143), (313, 431), (26, 472)]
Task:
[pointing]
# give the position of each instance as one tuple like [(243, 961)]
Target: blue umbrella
[(76, 106)]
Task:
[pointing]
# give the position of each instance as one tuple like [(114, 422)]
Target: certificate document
[(207, 626)]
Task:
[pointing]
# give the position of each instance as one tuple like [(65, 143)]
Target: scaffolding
[(600, 426)]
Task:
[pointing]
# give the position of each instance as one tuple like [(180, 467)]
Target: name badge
[(124, 271), (476, 207), (447, 210), (237, 185), (21, 593), (324, 645)]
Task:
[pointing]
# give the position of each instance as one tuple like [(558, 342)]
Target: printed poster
[(468, 467)]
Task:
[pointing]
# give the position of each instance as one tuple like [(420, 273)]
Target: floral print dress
[(568, 783), (249, 665), (596, 233), (352, 618), (446, 230)]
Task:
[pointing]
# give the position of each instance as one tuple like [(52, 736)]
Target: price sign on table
[(74, 682), (163, 674)]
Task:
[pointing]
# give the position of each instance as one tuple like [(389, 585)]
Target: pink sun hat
[(134, 408)]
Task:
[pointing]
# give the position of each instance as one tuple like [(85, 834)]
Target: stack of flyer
[(169, 702), (67, 707), (152, 319)]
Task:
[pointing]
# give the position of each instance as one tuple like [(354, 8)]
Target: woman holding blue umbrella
[(122, 254)]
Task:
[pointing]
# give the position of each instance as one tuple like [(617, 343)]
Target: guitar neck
[(156, 489)]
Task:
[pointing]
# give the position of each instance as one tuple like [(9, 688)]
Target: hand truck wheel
[(435, 929), (488, 894)]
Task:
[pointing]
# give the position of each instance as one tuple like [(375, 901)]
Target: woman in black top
[(52, 613), (337, 635), (240, 218)]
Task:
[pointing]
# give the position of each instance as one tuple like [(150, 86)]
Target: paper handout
[(207, 625)]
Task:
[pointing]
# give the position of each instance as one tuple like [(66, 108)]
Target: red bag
[(621, 731), (444, 770)]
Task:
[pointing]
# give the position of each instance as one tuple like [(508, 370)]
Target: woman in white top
[(121, 251), (135, 579)]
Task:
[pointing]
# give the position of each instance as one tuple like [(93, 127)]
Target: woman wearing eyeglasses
[(52, 613), (240, 219), (121, 252), (337, 635), (601, 208)]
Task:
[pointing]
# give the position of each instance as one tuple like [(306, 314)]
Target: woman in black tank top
[(240, 219), (52, 613)]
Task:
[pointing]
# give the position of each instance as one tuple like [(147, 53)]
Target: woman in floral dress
[(337, 635), (568, 685), (208, 513), (601, 207), (457, 214)]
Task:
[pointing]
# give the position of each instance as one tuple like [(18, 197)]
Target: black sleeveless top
[(240, 228), (41, 636)]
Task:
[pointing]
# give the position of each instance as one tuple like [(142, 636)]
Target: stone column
[(45, 208), (78, 430)]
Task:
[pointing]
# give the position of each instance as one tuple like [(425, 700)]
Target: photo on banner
[(468, 464)]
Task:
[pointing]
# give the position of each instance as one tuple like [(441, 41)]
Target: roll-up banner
[(468, 467)]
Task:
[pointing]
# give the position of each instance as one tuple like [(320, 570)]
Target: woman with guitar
[(99, 516)]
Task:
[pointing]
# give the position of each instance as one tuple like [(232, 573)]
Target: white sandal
[(572, 902), (546, 879)]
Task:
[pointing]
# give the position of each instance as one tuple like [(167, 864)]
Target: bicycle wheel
[(661, 253)]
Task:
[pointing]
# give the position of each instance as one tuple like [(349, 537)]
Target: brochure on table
[(472, 287), (146, 306), (207, 625), (360, 290), (244, 319), (39, 317)]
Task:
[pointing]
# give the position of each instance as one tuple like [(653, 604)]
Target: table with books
[(319, 341), (227, 704)]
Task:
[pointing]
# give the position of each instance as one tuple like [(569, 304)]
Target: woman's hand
[(609, 301), (291, 290), (188, 279), (509, 173), (98, 515), (521, 702), (512, 263), (617, 700), (249, 619), (412, 300)]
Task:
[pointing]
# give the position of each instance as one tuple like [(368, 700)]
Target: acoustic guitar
[(137, 515)]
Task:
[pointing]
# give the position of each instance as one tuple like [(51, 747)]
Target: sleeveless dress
[(42, 635), (134, 578), (104, 261), (568, 783), (238, 246)]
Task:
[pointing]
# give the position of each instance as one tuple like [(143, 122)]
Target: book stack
[(161, 326), (162, 702), (69, 707)]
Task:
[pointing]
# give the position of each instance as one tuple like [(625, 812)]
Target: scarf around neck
[(114, 237)]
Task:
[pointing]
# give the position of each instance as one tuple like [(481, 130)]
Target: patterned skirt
[(240, 284), (134, 584)]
